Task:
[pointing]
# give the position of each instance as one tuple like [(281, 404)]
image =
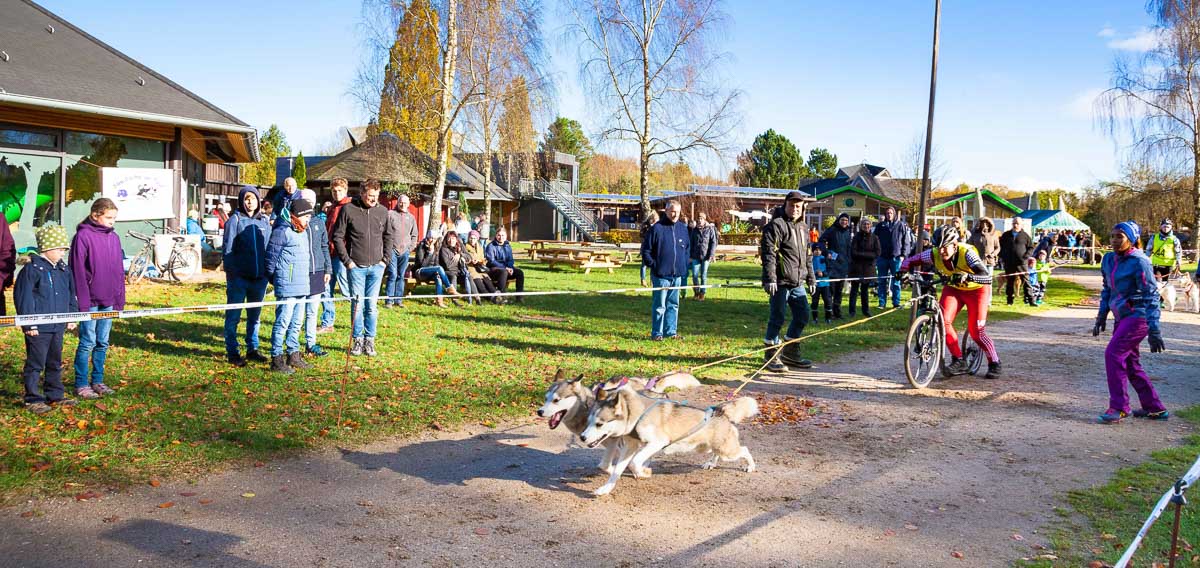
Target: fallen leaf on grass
[(166, 505), (155, 483), (1095, 564), (27, 514), (205, 501), (87, 495), (41, 466), (1107, 536), (101, 407), (259, 464)]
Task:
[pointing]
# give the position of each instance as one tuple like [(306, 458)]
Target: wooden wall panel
[(86, 123)]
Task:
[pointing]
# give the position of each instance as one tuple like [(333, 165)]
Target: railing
[(568, 205)]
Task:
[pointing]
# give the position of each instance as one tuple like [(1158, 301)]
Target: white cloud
[(1083, 105), (1107, 31), (1144, 40)]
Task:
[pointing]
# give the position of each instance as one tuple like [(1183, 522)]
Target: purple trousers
[(1123, 363)]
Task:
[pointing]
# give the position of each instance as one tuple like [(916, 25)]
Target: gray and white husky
[(568, 402), (646, 426)]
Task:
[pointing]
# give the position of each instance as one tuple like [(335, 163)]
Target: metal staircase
[(569, 207)]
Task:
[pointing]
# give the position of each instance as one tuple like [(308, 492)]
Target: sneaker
[(236, 360), (369, 347), (67, 402), (656, 338), (828, 321), (674, 337), (994, 370), (357, 347), (86, 393), (324, 329), (254, 356), (316, 351), (957, 367), (1112, 416), (103, 389), (1160, 415), (38, 408)]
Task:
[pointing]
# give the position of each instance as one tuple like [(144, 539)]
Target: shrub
[(621, 236)]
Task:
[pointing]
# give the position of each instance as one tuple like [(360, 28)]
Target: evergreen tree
[(272, 144), (566, 135), (773, 162), (822, 163), (516, 123), (408, 103), (300, 171)]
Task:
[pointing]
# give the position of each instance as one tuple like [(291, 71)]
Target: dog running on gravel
[(648, 425), (1181, 286), (568, 402)]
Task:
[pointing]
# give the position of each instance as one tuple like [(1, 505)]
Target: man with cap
[(1166, 252), (288, 262), (320, 271), (787, 273), (45, 286)]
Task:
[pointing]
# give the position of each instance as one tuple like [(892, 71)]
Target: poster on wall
[(140, 193)]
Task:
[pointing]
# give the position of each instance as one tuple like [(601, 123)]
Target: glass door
[(29, 190)]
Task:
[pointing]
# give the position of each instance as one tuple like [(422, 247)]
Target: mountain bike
[(925, 351), (181, 264)]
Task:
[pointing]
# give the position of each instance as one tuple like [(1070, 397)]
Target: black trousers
[(501, 277), (860, 289), (836, 288), (43, 352), (822, 293)]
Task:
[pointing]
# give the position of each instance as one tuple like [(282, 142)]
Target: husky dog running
[(647, 426), (1188, 290), (568, 402)]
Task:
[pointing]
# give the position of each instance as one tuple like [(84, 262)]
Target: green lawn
[(181, 410), (1103, 520)]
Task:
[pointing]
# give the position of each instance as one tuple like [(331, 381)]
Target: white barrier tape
[(1187, 480)]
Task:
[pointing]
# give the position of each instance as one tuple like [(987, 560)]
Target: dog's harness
[(708, 414)]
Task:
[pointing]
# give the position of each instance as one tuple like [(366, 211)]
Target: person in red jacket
[(341, 190)]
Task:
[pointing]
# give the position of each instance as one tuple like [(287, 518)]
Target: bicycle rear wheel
[(184, 264), (137, 269), (972, 353), (923, 350)]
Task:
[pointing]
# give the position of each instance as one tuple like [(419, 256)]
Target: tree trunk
[(1195, 199), (443, 141), (487, 184), (644, 139)]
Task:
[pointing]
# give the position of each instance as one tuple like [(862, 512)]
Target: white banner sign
[(140, 193)]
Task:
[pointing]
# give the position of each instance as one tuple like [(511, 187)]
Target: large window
[(85, 155), (28, 193), (45, 140)]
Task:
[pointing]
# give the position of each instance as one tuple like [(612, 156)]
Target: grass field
[(181, 410)]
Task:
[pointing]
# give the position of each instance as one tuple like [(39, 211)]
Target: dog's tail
[(740, 409), (674, 380)]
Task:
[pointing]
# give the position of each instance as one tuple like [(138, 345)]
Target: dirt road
[(885, 476)]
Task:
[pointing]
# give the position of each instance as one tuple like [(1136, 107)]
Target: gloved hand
[(1101, 325), (1156, 342), (770, 288), (958, 279)]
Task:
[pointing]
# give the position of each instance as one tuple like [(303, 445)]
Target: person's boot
[(236, 359), (866, 311), (279, 365), (454, 292), (852, 311), (369, 346), (357, 347), (771, 357), (994, 371), (957, 367), (439, 302), (814, 318), (255, 357), (296, 361), (828, 317), (789, 353)]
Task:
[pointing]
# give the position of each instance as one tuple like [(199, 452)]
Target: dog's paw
[(751, 468), (642, 473), (603, 490), (708, 465)]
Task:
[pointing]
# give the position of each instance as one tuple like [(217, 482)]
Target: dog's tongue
[(556, 418)]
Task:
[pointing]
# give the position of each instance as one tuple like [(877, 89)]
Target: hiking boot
[(369, 347), (866, 312), (279, 364), (357, 347), (86, 393), (296, 361), (1112, 416), (957, 367), (994, 371), (236, 359), (38, 408), (1160, 415), (439, 302), (771, 357), (852, 312), (64, 402), (103, 389), (316, 351), (255, 357), (789, 354)]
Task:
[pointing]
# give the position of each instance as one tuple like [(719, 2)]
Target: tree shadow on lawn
[(498, 456), (530, 323), (197, 336)]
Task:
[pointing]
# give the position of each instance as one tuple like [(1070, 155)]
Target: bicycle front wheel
[(923, 350), (137, 269), (184, 264)]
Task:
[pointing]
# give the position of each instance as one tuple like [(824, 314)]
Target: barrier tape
[(1184, 482)]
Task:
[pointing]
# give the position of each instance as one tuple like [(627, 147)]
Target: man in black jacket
[(895, 243), (836, 240), (1015, 248), (787, 272), (362, 239)]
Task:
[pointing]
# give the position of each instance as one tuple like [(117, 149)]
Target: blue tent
[(1052, 220)]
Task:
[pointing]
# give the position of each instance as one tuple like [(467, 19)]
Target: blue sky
[(1015, 78)]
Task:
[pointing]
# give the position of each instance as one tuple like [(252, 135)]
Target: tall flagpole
[(937, 13)]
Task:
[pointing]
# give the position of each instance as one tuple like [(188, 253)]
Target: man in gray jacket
[(404, 240)]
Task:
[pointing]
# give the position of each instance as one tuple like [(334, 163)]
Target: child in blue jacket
[(288, 263), (45, 286), (820, 266)]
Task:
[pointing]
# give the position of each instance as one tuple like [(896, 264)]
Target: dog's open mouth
[(598, 441), (556, 418)]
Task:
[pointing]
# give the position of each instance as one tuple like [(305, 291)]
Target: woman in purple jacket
[(96, 265)]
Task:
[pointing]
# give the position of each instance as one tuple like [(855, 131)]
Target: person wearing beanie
[(288, 262), (1130, 293), (97, 265), (1165, 250), (836, 241), (320, 273), (245, 263), (45, 286)]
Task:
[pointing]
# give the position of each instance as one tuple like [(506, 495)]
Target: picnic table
[(536, 246), (585, 257)]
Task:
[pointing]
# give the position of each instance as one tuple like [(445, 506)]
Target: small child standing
[(45, 286), (820, 264), (1040, 278), (288, 261)]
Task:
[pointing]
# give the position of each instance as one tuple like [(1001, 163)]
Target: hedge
[(623, 236)]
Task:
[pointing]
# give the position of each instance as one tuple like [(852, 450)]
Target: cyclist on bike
[(969, 284)]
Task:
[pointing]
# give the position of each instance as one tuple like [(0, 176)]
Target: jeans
[(397, 266), (781, 301), (43, 352), (289, 318), (700, 274), (310, 321), (93, 345), (885, 267), (364, 284), (339, 277), (238, 290), (437, 273), (664, 317)]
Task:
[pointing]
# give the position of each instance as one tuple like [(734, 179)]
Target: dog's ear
[(577, 379), (600, 393), (622, 406), (557, 376)]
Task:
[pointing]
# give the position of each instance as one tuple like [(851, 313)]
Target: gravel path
[(883, 476)]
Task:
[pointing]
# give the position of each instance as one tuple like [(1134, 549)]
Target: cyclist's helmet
[(945, 235)]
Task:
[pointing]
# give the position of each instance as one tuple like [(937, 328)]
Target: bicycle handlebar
[(139, 236)]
